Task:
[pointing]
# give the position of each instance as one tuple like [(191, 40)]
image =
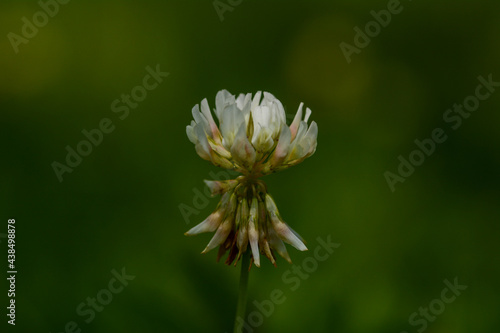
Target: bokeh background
[(120, 207)]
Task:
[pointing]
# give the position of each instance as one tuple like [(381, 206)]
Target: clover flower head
[(252, 138)]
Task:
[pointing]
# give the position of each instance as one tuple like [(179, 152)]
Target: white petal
[(308, 113), (263, 142), (219, 148), (260, 116), (220, 235), (264, 129), (281, 150), (242, 150), (277, 244), (271, 206), (210, 224), (296, 121), (243, 101), (214, 130), (253, 234), (304, 144), (312, 132), (202, 139), (232, 118), (222, 100), (311, 137), (198, 117), (246, 106), (280, 112), (268, 98), (301, 132), (281, 228), (286, 234), (190, 132), (256, 100)]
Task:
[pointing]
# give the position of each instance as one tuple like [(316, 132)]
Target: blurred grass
[(119, 207)]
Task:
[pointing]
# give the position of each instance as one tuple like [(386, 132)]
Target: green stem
[(242, 295)]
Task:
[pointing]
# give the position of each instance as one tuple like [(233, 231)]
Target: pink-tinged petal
[(202, 138), (210, 224), (202, 153), (301, 131), (205, 110), (296, 149)]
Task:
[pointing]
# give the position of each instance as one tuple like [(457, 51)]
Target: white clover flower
[(253, 139)]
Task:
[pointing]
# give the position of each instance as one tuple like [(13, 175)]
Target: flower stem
[(242, 295)]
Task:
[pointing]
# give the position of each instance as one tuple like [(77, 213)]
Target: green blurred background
[(120, 207)]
